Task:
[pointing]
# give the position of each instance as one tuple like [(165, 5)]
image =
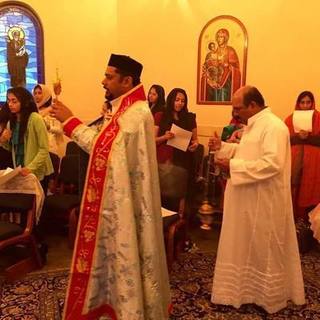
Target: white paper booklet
[(181, 138), (166, 213), (302, 120), (9, 173)]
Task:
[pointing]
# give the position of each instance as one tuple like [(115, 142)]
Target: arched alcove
[(21, 47)]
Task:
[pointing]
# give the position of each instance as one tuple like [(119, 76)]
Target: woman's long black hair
[(27, 107), (4, 116), (159, 105), (168, 118)]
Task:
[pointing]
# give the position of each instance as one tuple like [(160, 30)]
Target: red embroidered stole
[(91, 207)]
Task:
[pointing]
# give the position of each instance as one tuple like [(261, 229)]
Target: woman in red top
[(305, 150), (178, 161)]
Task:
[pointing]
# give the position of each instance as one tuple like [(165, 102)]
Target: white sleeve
[(56, 127), (227, 150), (84, 136), (274, 145)]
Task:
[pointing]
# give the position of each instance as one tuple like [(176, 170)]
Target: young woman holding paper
[(305, 150), (172, 161), (26, 135)]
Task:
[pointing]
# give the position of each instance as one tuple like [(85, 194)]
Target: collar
[(117, 101), (115, 104), (258, 115)]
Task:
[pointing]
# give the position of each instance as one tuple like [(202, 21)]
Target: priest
[(119, 265)]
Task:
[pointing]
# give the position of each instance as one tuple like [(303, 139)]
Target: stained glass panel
[(21, 48)]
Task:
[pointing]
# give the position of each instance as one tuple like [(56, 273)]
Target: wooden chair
[(72, 148), (12, 234), (63, 206), (53, 178), (174, 228), (55, 162), (5, 159)]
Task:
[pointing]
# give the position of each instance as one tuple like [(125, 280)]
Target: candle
[(57, 84)]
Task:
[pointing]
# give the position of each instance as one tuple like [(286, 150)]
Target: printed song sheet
[(166, 213), (302, 120), (8, 174), (181, 138)]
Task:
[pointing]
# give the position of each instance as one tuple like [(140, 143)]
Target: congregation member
[(5, 155), (230, 133), (233, 131), (258, 259), (305, 154), (156, 99), (175, 164), (26, 136), (43, 98), (4, 116), (119, 261)]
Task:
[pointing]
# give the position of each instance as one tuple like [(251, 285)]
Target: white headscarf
[(46, 94)]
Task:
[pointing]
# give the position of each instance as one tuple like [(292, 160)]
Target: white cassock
[(258, 259)]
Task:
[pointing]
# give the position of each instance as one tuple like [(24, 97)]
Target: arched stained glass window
[(21, 47)]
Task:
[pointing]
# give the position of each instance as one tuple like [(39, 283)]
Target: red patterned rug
[(41, 295)]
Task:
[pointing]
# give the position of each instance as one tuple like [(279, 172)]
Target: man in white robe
[(258, 259), (119, 265)]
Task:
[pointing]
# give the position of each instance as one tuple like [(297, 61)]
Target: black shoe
[(43, 250)]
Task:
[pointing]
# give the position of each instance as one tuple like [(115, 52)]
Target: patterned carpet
[(191, 283), (41, 295)]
